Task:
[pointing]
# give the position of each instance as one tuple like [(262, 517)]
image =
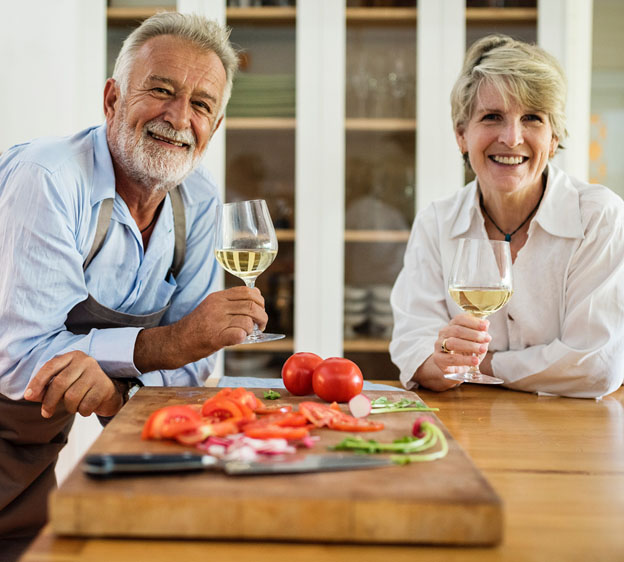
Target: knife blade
[(104, 465)]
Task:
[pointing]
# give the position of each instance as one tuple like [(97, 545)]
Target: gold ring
[(444, 348)]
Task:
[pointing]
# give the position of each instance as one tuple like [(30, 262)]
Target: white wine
[(245, 264), (480, 301)]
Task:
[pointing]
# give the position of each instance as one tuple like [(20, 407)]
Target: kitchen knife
[(103, 465)]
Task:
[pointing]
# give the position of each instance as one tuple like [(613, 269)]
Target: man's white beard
[(149, 163)]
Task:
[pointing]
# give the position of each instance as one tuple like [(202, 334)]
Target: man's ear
[(111, 96), (214, 130)]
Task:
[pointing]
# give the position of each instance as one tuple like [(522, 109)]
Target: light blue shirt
[(51, 190)]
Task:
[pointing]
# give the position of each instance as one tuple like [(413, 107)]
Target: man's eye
[(161, 91), (202, 106), (533, 117)]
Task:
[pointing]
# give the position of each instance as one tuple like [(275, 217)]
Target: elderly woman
[(562, 332)]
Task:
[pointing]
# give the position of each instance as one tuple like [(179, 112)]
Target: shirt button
[(510, 317)]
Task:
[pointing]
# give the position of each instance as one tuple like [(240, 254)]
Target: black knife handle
[(112, 464)]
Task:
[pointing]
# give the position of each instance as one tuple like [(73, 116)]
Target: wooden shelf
[(260, 123), (366, 345), (124, 15), (262, 14), (501, 15), (366, 124), (362, 345), (394, 16), (288, 14), (289, 123), (285, 234), (377, 235), (286, 345)]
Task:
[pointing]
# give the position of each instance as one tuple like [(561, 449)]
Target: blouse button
[(510, 317)]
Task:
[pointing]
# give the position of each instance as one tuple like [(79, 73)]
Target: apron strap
[(106, 211), (179, 225)]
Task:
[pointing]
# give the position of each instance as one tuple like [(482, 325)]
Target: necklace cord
[(508, 235), (156, 215)]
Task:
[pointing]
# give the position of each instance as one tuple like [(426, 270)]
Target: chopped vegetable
[(360, 406), (382, 405), (407, 449), (322, 415), (272, 395)]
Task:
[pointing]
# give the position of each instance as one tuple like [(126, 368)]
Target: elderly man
[(106, 241)]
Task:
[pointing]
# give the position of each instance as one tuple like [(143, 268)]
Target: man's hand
[(77, 380), (223, 318)]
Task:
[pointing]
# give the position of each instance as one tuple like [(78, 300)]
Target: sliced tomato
[(349, 423), (317, 414), (322, 415), (272, 431), (246, 397), (169, 421), (285, 419), (220, 409), (263, 409), (202, 432)]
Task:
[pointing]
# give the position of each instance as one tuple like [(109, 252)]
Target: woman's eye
[(490, 117), (533, 117)]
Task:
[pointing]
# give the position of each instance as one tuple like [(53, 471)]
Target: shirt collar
[(103, 172), (559, 213)]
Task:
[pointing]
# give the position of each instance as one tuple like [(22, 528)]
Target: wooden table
[(557, 463)]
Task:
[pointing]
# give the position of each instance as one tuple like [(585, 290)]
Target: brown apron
[(29, 443)]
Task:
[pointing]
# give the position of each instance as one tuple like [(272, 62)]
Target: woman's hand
[(453, 353), (77, 380)]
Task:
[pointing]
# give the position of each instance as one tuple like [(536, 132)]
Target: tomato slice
[(169, 421), (202, 432), (246, 397), (272, 431), (263, 409), (349, 423), (317, 414), (328, 416)]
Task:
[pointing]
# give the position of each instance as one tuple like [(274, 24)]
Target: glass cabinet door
[(380, 153), (606, 165), (260, 161)]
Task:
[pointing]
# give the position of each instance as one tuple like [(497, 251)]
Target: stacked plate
[(381, 318), (262, 95), (355, 310)]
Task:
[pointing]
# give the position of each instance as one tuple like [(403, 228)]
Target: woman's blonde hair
[(520, 71)]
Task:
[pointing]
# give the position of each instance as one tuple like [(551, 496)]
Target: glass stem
[(251, 283)]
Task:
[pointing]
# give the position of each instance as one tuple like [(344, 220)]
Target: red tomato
[(221, 409), (337, 380), (275, 432), (169, 421), (297, 372), (202, 432)]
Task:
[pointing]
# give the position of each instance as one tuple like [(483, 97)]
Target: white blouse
[(562, 332)]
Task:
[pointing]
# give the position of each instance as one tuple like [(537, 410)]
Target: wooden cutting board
[(447, 501)]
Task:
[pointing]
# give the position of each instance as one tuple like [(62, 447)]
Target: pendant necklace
[(508, 235)]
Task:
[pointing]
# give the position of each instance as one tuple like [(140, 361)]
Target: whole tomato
[(337, 380), (297, 372)]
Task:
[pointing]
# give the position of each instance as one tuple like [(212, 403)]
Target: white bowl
[(381, 292), (380, 307), (352, 293), (355, 306)]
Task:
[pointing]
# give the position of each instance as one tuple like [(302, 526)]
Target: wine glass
[(480, 283), (245, 246)]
